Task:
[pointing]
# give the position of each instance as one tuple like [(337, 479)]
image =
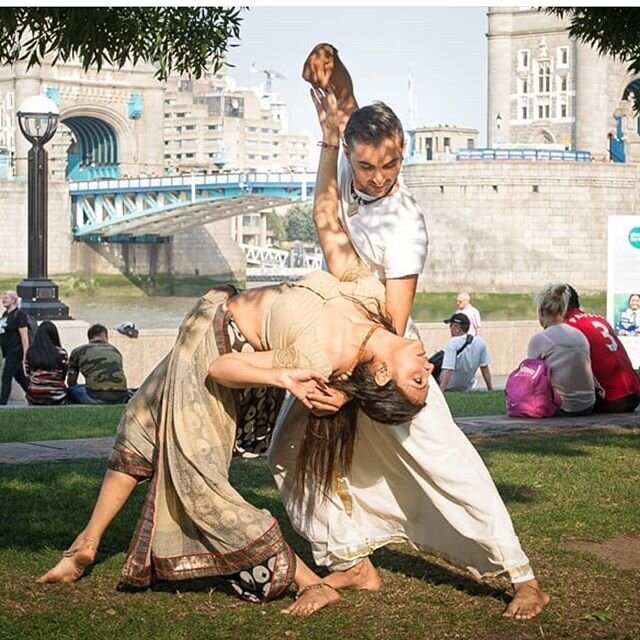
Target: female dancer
[(191, 414)]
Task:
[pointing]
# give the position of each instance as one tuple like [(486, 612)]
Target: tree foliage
[(299, 223), (276, 224), (611, 31), (182, 39)]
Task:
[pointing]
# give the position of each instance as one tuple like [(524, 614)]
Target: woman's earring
[(381, 376)]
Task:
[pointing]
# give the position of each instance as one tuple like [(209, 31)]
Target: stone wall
[(14, 227), (494, 226), (209, 250), (513, 226)]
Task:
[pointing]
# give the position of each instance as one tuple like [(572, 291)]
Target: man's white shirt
[(390, 234)]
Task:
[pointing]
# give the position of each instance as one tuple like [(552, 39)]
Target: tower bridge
[(152, 209)]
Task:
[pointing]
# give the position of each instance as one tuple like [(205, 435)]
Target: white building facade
[(546, 89)]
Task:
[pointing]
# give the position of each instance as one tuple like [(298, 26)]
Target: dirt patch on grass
[(622, 552)]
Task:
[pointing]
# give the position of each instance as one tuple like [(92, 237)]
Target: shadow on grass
[(419, 567), (520, 493), (552, 445)]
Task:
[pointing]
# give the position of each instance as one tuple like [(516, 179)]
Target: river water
[(145, 312)]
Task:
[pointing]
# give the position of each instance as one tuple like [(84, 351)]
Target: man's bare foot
[(528, 601), (311, 599), (361, 576), (73, 563)]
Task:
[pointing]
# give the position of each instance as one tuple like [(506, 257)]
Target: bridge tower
[(111, 122)]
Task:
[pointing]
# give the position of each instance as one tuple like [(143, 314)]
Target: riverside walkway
[(476, 428)]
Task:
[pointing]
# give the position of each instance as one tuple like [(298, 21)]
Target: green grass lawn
[(557, 490), (427, 307), (60, 423), (434, 307)]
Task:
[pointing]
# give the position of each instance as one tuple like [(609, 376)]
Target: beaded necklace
[(347, 374)]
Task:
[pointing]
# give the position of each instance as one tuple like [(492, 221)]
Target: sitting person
[(46, 367), (463, 355), (101, 365), (183, 425), (629, 322), (565, 350), (617, 382)]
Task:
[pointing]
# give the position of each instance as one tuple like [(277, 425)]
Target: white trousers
[(421, 482)]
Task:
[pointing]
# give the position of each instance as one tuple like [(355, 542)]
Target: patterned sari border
[(215, 564)]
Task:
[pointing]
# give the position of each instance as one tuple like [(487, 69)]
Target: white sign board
[(623, 281)]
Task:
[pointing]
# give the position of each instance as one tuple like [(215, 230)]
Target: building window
[(470, 143), (563, 56), (563, 84), (544, 78), (523, 59), (524, 86), (447, 143), (563, 110), (234, 107), (524, 112)]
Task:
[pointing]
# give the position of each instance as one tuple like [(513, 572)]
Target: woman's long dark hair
[(330, 439), (44, 353)]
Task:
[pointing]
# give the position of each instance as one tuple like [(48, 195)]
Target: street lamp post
[(38, 118)]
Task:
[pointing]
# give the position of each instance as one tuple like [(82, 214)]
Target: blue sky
[(445, 46)]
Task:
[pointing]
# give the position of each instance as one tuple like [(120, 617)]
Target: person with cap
[(463, 355)]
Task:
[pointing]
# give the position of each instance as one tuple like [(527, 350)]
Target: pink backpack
[(529, 392)]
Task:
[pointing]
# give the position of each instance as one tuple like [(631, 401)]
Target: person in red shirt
[(618, 384)]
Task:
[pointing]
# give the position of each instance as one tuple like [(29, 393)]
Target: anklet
[(317, 585), (69, 553)]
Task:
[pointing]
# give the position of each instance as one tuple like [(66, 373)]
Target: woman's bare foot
[(528, 601), (311, 599), (361, 576), (73, 563)]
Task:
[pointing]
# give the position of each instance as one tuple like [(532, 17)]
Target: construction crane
[(270, 74)]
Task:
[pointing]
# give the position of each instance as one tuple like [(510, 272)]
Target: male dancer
[(422, 482)]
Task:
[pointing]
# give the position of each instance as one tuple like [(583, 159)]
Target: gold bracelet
[(328, 145), (317, 585)]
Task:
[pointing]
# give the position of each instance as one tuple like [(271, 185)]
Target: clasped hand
[(310, 387)]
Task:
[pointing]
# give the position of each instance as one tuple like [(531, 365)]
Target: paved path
[(476, 428)]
